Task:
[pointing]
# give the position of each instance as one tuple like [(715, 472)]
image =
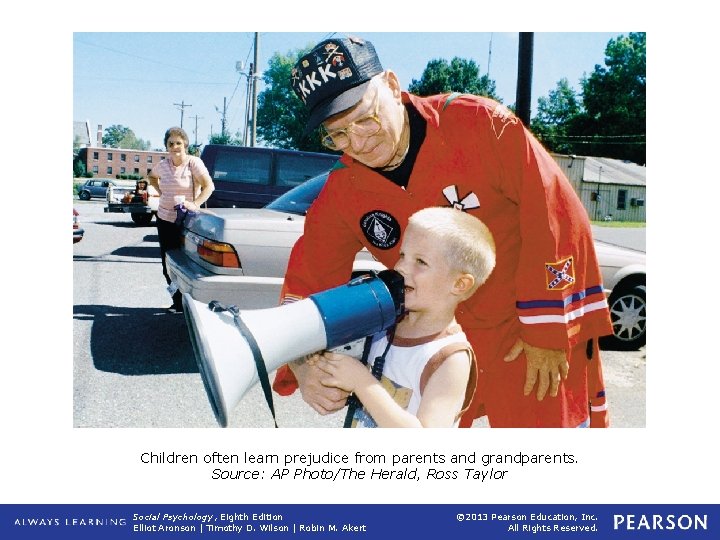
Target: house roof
[(613, 171), (81, 133)]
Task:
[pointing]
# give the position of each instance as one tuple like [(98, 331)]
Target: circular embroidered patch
[(381, 229)]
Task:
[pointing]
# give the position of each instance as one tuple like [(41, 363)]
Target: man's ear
[(463, 284), (393, 83)]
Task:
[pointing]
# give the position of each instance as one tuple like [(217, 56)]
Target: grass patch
[(621, 224)]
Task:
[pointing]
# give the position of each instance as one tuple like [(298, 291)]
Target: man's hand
[(324, 399), (547, 365)]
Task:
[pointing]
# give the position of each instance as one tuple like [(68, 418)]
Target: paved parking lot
[(134, 365)]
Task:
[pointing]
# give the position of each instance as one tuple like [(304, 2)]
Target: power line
[(559, 140), (601, 136), (153, 61)]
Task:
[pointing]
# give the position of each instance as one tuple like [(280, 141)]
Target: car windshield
[(298, 200)]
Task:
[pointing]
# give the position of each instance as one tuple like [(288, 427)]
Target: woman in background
[(178, 175)]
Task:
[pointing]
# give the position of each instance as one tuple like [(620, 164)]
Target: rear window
[(242, 167), (293, 170), (299, 199)]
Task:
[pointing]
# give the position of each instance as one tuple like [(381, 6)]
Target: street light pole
[(240, 68), (248, 97), (254, 87)]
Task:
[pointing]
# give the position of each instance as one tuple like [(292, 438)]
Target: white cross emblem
[(468, 202)]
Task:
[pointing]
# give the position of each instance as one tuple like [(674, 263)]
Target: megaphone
[(228, 343)]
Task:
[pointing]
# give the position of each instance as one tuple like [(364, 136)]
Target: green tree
[(459, 75), (281, 116), (554, 113), (614, 98), (117, 136), (218, 138), (79, 169)]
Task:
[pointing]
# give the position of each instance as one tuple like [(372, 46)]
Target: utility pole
[(240, 68), (248, 106), (489, 55), (524, 79), (254, 87), (222, 117), (196, 119), (182, 110)]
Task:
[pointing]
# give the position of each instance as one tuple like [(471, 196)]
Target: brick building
[(105, 162)]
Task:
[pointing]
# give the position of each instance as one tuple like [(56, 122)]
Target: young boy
[(428, 377)]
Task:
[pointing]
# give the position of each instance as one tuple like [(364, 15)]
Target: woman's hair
[(467, 242), (179, 132)]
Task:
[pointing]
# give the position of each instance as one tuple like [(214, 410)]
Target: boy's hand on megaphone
[(342, 371), (324, 399)]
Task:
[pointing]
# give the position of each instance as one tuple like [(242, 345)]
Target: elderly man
[(534, 325)]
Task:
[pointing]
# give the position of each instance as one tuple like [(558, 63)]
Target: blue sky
[(140, 79)]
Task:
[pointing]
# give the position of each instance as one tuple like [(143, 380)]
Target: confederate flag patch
[(560, 275)]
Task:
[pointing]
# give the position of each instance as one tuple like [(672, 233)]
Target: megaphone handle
[(259, 362)]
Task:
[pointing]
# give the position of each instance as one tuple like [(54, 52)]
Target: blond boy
[(427, 364)]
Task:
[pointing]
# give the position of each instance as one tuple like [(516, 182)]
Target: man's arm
[(322, 258), (560, 301)]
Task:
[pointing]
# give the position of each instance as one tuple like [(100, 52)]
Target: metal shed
[(610, 189)]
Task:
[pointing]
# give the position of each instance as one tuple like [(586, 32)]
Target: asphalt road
[(631, 238), (134, 364)]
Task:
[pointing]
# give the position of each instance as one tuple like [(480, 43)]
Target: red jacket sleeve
[(321, 259), (560, 300)]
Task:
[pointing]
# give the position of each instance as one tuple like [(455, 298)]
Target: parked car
[(98, 188), (78, 231), (141, 203), (250, 177), (623, 272), (239, 256)]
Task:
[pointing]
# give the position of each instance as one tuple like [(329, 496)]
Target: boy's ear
[(463, 284)]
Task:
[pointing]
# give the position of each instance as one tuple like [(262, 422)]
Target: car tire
[(628, 313), (84, 195), (142, 220)]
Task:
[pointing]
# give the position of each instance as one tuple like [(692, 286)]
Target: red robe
[(546, 286)]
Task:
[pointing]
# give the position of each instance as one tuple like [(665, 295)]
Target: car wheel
[(627, 312), (84, 195), (141, 219)]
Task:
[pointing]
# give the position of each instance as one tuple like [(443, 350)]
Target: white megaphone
[(231, 345)]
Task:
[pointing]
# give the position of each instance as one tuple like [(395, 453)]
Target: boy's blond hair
[(467, 242)]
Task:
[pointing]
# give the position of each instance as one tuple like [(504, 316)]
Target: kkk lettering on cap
[(323, 78), (322, 69)]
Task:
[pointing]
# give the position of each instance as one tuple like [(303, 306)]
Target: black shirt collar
[(418, 128)]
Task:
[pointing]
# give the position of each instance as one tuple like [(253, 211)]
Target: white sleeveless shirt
[(409, 363)]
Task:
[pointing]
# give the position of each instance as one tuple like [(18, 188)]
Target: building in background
[(610, 189), (106, 162), (81, 135)]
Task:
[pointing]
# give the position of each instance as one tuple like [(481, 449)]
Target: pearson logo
[(659, 522)]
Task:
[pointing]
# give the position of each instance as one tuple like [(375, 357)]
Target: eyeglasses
[(365, 126)]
